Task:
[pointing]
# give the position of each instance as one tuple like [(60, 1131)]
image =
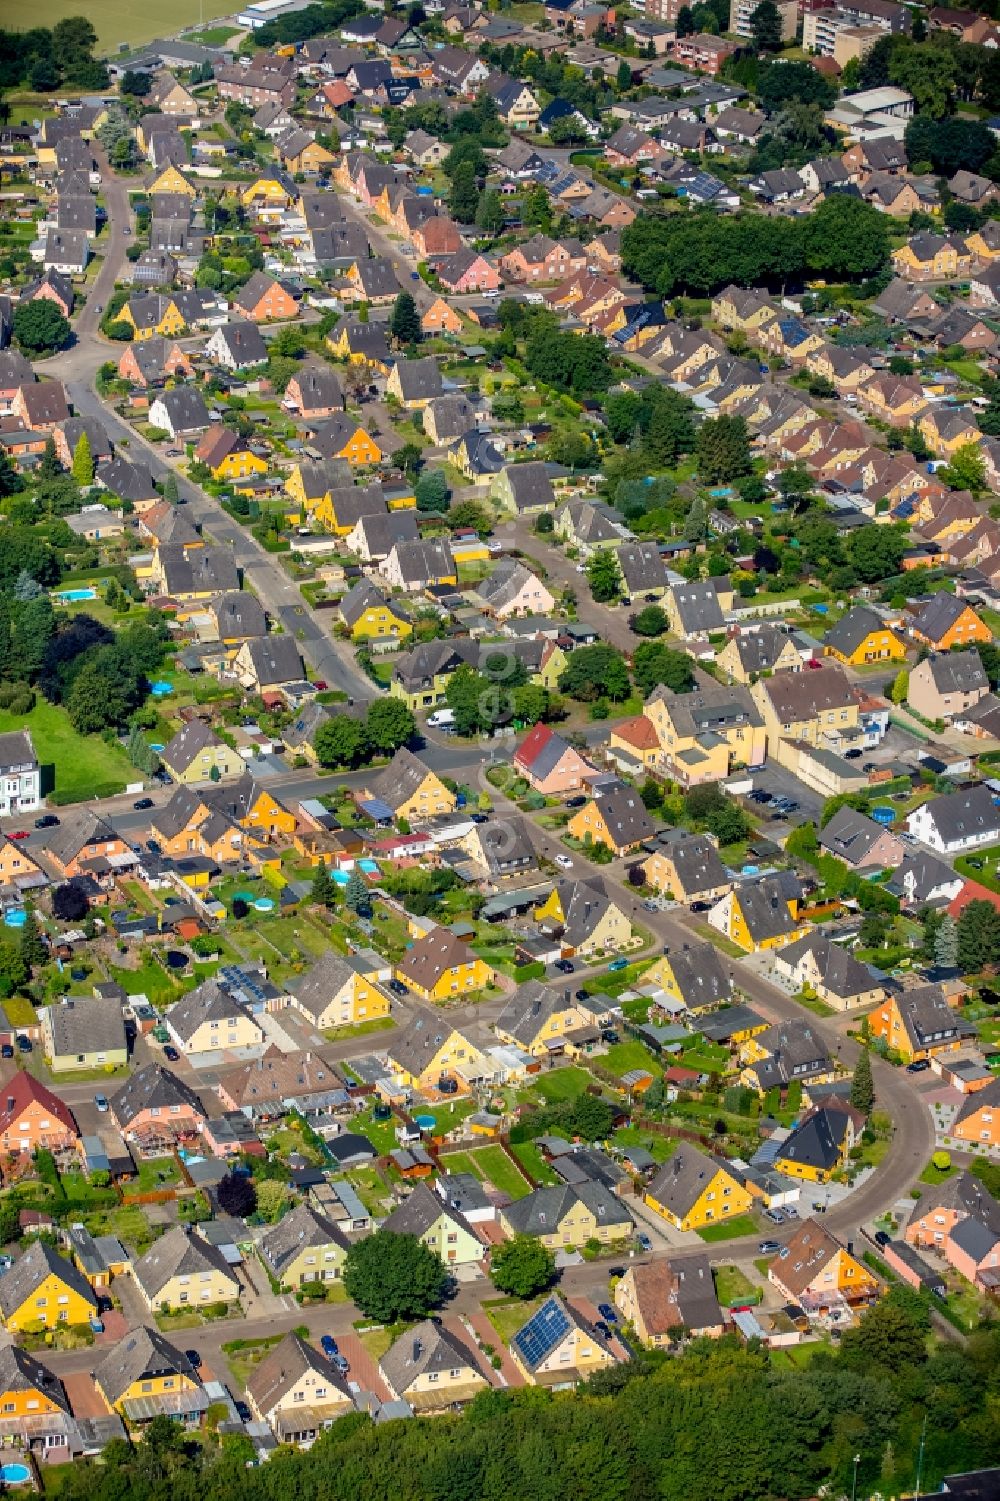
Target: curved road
[(78, 367)]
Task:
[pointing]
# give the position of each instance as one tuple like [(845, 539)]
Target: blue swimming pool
[(14, 1474), (161, 688), (73, 597), (15, 917), (264, 904)]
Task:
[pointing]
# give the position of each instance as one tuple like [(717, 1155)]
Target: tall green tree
[(393, 1277), (322, 891), (765, 26), (39, 326), (356, 894), (723, 449), (34, 950), (603, 576), (463, 199), (522, 1267), (404, 324), (83, 462), (862, 1084)]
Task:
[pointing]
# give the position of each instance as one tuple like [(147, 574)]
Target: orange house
[(978, 1121), (917, 1024), (440, 318), (31, 1116), (946, 621), (264, 298), (940, 1208), (85, 845), (18, 869)]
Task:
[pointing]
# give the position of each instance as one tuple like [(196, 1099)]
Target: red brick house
[(264, 298)]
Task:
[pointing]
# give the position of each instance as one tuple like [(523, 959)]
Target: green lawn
[(562, 1084), (150, 979), (728, 1229), (624, 1056), (527, 1153), (500, 1171), (935, 1175), (73, 766), (462, 1162), (360, 1029), (157, 1172), (733, 1286), (724, 944)]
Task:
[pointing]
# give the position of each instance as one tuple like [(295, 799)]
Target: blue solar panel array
[(235, 978), (542, 1332)]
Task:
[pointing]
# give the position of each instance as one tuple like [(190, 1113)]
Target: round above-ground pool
[(426, 1122), (73, 597), (15, 917), (14, 1474), (264, 904), (161, 688)]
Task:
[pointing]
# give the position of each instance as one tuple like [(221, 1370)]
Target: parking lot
[(781, 783)]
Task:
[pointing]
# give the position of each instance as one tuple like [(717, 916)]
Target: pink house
[(972, 1248), (550, 764), (467, 271)]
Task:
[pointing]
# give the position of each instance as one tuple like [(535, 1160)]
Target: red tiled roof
[(24, 1090)]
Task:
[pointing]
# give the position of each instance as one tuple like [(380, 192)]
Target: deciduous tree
[(394, 1277)]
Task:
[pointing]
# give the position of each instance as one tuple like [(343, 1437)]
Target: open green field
[(493, 1163), (82, 763), (728, 1229), (116, 21), (562, 1084)]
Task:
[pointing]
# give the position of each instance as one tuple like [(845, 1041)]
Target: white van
[(441, 719)]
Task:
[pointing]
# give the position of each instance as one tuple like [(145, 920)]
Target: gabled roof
[(700, 976), (427, 1349), (853, 629), (939, 615), (152, 1087), (680, 1182), (30, 1270), (964, 814), (804, 1257), (302, 1228), (208, 1002), (400, 780), (23, 1090), (679, 1294), (957, 671), (284, 1366), (851, 835), (327, 977), (22, 1374), (177, 1253), (817, 1142), (529, 1008), (144, 1352), (422, 1209), (432, 956), (839, 971)]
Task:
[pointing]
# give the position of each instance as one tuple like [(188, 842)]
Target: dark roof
[(152, 1087), (144, 1352), (853, 628), (939, 614)]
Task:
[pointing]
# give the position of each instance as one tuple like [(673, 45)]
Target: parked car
[(882, 1238), (583, 995), (6, 1051), (23, 1043), (575, 802), (564, 966), (143, 804), (769, 1247), (617, 964), (790, 1212), (563, 861), (47, 821), (101, 1101), (607, 1313), (193, 1358), (341, 1364), (602, 1329), (18, 834), (918, 1066), (700, 906), (775, 1216), (852, 755), (644, 1241), (398, 988), (170, 1052), (329, 1346)]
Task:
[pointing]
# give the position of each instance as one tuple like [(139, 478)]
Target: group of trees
[(40, 327), (940, 71), (43, 58), (496, 694), (698, 253), (972, 943), (575, 363), (101, 677), (949, 145), (345, 740)]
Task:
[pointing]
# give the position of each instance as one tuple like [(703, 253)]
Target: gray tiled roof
[(178, 1253), (681, 1181), (152, 1087), (91, 1026), (284, 1366), (30, 1270), (700, 975), (425, 1349), (303, 1228), (542, 1212), (144, 1352)]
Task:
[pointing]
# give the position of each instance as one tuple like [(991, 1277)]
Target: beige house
[(303, 1247), (688, 866), (209, 1019), (84, 1034), (809, 707), (298, 1391), (746, 656), (558, 1347), (568, 1215), (438, 1226), (946, 683), (431, 1369), (340, 990), (539, 1017), (830, 971), (182, 1270), (195, 753)]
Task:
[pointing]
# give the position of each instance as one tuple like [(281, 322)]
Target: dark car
[(6, 1051), (47, 821), (616, 1271), (607, 1313), (564, 966), (329, 1346), (243, 1412), (853, 755), (398, 988), (602, 1329), (170, 1052), (143, 804), (882, 1238), (24, 1043), (609, 1035), (700, 906), (919, 1066), (583, 995), (575, 802), (480, 817), (193, 1358), (154, 847)]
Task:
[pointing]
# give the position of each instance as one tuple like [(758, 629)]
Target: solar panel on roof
[(542, 1332)]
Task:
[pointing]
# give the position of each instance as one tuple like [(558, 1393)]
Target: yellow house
[(537, 1017), (152, 313), (738, 736), (439, 967), (928, 256), (170, 180), (339, 990), (297, 1391), (144, 1372), (745, 656), (266, 192), (467, 550), (688, 867), (369, 615), (558, 1347), (862, 636), (410, 789), (984, 243), (946, 430), (618, 819), (637, 741), (361, 344), (590, 920), (228, 456), (195, 753), (27, 1388), (311, 158), (693, 1190), (182, 1270), (431, 1369), (42, 1290), (818, 1147), (437, 1226), (569, 1215), (816, 1272), (304, 1246), (427, 1049), (807, 706), (761, 914), (353, 442)]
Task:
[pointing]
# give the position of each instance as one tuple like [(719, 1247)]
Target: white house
[(957, 822), (66, 250), (20, 775), (181, 413)]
